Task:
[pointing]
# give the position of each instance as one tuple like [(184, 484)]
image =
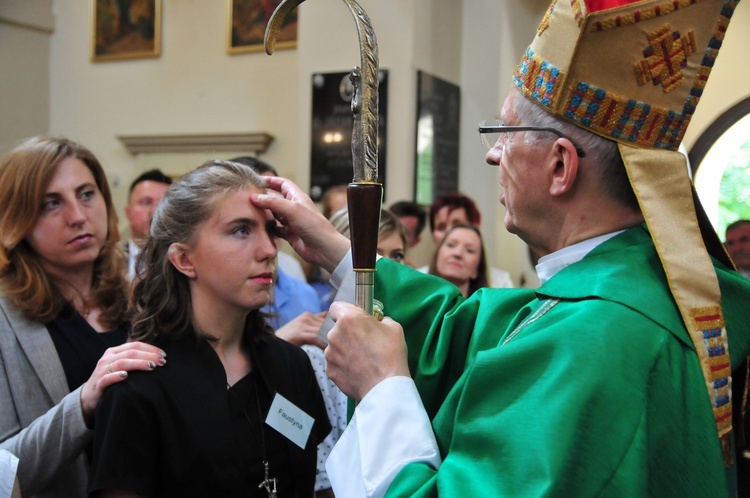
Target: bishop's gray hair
[(600, 152)]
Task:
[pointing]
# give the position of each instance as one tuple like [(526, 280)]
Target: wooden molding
[(35, 15), (202, 142)]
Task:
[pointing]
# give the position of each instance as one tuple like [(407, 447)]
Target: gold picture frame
[(246, 26), (125, 29)]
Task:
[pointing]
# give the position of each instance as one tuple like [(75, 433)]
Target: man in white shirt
[(145, 193)]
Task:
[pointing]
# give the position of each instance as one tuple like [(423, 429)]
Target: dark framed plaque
[(438, 115), (332, 122)]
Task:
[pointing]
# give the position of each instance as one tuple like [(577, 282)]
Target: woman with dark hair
[(63, 311), (460, 259), (201, 427), (450, 210)]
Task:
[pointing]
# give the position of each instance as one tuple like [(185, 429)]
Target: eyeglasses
[(491, 131)]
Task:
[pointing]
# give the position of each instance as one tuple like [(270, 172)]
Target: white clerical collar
[(550, 264)]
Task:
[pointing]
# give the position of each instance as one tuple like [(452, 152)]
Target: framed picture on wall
[(125, 29), (246, 26)]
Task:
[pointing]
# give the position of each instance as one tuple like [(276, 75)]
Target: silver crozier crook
[(364, 194)]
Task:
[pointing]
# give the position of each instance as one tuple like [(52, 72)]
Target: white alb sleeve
[(342, 279), (389, 430)]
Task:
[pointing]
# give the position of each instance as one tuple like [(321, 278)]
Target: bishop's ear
[(179, 256), (566, 167)]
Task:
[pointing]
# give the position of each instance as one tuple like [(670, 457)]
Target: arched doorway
[(720, 160)]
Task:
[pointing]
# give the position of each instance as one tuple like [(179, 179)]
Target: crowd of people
[(196, 358), (72, 328)]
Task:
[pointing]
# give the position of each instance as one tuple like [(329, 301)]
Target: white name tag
[(289, 420)]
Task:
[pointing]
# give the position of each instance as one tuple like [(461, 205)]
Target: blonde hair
[(24, 175), (389, 224)]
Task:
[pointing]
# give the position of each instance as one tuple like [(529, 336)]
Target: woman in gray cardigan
[(63, 302)]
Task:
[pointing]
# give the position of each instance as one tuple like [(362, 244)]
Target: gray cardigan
[(41, 422)]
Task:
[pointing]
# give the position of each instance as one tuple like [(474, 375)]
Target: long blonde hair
[(24, 175)]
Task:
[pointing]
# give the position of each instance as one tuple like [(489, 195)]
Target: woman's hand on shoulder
[(113, 367)]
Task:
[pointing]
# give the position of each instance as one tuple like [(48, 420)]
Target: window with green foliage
[(734, 190)]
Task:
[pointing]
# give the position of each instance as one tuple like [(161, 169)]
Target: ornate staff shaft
[(364, 194)]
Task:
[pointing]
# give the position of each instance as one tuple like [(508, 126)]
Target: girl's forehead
[(237, 201)]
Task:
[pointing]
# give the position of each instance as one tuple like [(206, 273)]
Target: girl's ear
[(179, 256)]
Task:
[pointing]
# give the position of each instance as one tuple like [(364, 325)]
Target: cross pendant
[(268, 483)]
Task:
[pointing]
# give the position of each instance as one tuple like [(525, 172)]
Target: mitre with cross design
[(633, 72)]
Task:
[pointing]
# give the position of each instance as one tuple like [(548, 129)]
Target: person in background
[(294, 310), (412, 217), (63, 311), (145, 193), (460, 259), (392, 240), (238, 411), (333, 199), (450, 210), (738, 245), (458, 209), (613, 377)]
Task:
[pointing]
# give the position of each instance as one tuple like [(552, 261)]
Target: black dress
[(178, 431), (79, 346)]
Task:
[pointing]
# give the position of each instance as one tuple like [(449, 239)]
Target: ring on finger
[(109, 367)]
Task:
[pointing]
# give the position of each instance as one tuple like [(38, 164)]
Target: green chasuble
[(588, 386)]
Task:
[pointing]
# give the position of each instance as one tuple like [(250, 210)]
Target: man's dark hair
[(153, 175), (410, 208), (736, 224), (258, 166)]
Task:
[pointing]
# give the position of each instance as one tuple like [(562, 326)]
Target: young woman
[(460, 259), (238, 411), (63, 302), (392, 241)]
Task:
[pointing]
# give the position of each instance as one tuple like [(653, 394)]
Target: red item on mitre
[(597, 5)]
